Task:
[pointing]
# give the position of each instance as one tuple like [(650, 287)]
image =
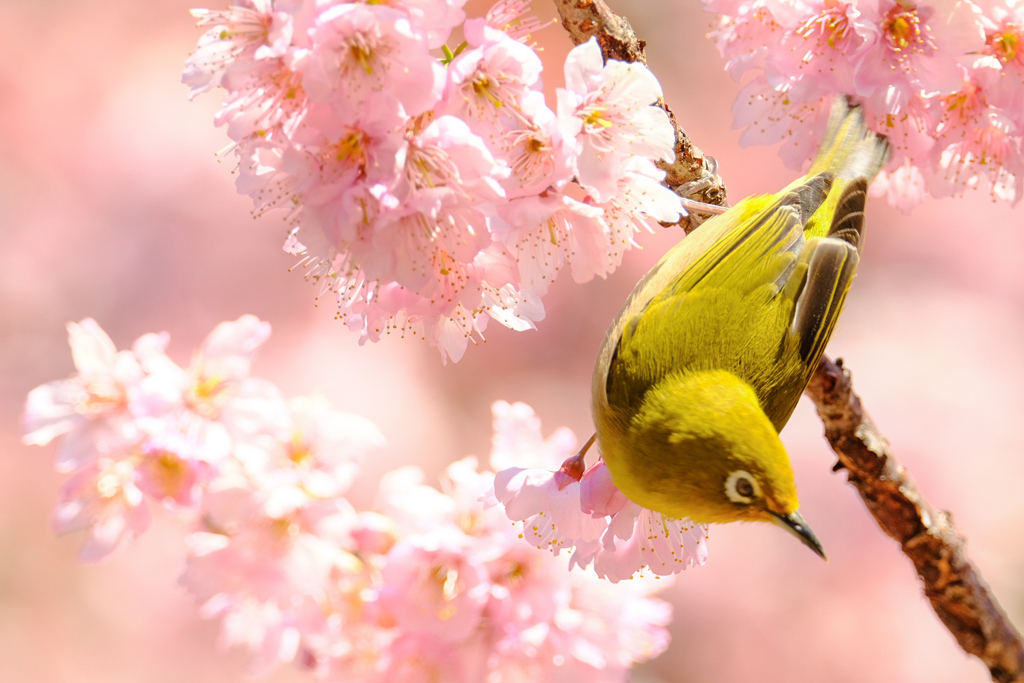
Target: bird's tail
[(851, 155), (849, 150)]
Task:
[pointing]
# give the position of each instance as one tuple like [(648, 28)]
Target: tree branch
[(954, 586), (958, 594), (692, 175)]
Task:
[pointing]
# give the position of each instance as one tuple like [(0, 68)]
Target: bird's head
[(707, 451)]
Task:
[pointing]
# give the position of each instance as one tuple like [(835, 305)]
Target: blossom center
[(167, 471), (447, 579), (206, 395), (351, 148), (904, 30), (283, 529), (430, 167), (832, 24), (596, 118), (361, 53), (298, 450), (1005, 44), (965, 103), (534, 159), (484, 87), (102, 395)]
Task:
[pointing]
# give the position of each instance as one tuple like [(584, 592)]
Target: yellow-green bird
[(708, 358)]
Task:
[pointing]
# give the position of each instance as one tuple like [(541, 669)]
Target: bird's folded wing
[(821, 279), (757, 253)]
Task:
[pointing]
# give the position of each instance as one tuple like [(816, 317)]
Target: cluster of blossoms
[(429, 188), (942, 79), (431, 584), (579, 508)]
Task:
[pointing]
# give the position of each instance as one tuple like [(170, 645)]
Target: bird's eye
[(744, 487), (741, 487)]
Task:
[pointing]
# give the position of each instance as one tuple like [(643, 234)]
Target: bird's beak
[(795, 524)]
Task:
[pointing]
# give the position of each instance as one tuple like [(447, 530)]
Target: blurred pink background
[(113, 205)]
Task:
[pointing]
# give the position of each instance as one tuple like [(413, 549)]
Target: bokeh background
[(113, 205)]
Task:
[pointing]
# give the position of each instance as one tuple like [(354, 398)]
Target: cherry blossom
[(396, 167), (608, 108), (94, 409), (578, 508), (102, 499), (362, 49), (939, 78), (432, 580)]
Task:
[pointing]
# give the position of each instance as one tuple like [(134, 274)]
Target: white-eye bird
[(708, 358)]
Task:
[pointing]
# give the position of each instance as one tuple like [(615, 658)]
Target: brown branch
[(954, 586), (692, 175)]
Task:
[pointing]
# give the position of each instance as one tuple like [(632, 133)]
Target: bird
[(706, 361)]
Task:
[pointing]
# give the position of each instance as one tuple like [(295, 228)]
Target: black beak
[(795, 524)]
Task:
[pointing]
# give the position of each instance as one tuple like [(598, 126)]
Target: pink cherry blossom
[(578, 508), (987, 149), (518, 439), (539, 155), (93, 407), (433, 586), (538, 619), (744, 33), (434, 581), (903, 187), (928, 74), (513, 17), (250, 51), (916, 50), (266, 564), (249, 31), (608, 107), (395, 172), (328, 446), (434, 18), (487, 83), (213, 401), (331, 163), (1003, 24), (363, 49), (168, 471), (103, 499), (823, 50), (548, 504), (641, 196), (552, 230)]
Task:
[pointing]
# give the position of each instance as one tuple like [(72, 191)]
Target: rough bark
[(958, 594)]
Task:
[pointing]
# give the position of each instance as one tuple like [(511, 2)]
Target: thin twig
[(954, 586), (692, 175)]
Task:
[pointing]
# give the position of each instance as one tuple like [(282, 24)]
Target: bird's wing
[(812, 298), (763, 234), (819, 282), (761, 267)]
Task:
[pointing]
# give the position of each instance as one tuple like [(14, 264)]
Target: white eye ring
[(738, 480)]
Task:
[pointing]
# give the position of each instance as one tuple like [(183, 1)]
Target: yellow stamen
[(1005, 46), (362, 56), (595, 118), (207, 387), (298, 450), (482, 87), (351, 147)]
